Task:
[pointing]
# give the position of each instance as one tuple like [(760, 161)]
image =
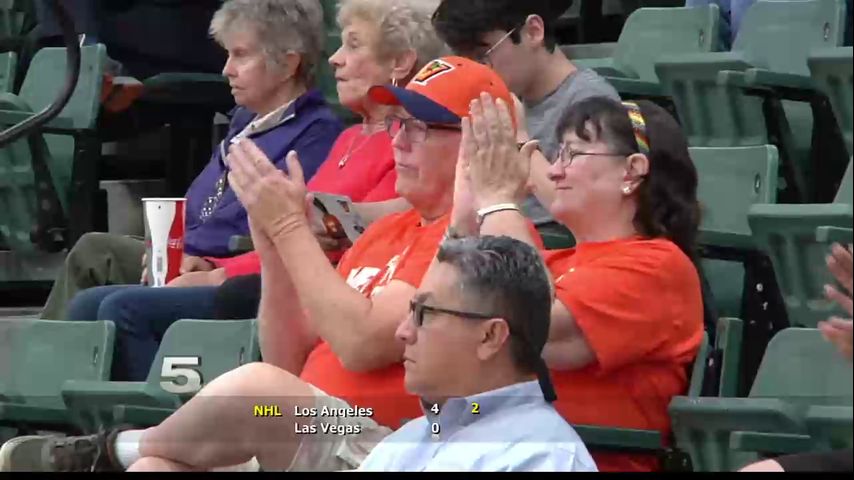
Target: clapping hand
[(836, 330), (274, 200)]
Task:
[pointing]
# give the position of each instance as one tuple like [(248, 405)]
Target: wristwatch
[(501, 207)]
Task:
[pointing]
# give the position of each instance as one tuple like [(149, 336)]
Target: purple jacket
[(308, 126)]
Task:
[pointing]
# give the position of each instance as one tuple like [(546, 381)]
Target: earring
[(393, 82), (627, 189)]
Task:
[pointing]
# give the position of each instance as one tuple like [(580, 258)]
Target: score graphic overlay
[(320, 420)]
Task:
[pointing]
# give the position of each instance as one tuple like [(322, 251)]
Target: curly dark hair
[(668, 205)]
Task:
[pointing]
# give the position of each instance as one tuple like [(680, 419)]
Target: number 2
[(173, 370), (475, 409)]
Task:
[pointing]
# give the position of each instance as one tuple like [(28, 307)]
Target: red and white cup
[(164, 238)]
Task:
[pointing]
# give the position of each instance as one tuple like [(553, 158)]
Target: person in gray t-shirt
[(517, 39)]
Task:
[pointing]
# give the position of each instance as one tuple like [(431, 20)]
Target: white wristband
[(501, 207)]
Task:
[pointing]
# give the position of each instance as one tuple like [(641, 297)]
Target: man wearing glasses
[(473, 341), (517, 39)]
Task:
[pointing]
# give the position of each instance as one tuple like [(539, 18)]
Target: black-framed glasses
[(484, 59), (414, 129), (566, 155), (417, 310)]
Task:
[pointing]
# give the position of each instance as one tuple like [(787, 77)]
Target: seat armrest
[(770, 443)]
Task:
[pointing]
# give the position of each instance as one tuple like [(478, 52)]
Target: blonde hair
[(282, 26), (403, 25)]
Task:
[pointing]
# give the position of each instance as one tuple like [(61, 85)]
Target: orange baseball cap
[(442, 91)]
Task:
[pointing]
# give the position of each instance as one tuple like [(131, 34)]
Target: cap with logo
[(442, 91)]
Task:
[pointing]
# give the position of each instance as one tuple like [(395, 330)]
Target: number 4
[(435, 409), (174, 368)]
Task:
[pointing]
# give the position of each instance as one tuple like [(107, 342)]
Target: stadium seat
[(650, 33), (206, 348), (787, 233), (8, 66), (556, 236), (37, 356), (734, 98), (800, 370), (741, 278), (39, 176), (832, 71)]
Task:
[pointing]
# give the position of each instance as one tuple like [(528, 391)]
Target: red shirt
[(396, 247), (358, 166), (639, 306)]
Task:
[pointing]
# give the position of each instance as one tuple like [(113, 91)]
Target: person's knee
[(89, 244), (770, 465)]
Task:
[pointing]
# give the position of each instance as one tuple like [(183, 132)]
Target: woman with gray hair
[(273, 47)]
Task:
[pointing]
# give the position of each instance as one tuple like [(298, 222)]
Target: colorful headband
[(639, 126)]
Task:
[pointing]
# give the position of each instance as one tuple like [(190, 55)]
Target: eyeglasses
[(414, 129), (417, 309), (566, 156), (484, 57)]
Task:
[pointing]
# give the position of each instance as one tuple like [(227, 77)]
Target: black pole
[(72, 47)]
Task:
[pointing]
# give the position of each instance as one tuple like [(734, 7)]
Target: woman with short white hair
[(273, 49)]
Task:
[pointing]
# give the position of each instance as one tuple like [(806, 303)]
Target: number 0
[(434, 428), (174, 368)]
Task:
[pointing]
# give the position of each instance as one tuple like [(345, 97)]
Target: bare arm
[(566, 349)]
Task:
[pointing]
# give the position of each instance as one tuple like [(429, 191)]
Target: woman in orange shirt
[(627, 320)]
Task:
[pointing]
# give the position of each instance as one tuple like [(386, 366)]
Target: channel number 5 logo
[(177, 375)]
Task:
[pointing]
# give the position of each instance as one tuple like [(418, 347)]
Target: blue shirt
[(308, 126), (514, 429)]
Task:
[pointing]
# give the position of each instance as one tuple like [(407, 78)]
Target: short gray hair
[(507, 278), (282, 26), (403, 25)]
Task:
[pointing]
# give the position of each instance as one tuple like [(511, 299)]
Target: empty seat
[(832, 71), (192, 353), (36, 175), (650, 33), (799, 370), (38, 356), (787, 234), (733, 98)]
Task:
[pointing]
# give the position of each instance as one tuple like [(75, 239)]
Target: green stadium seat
[(38, 177), (800, 370), (208, 347), (650, 33), (787, 233), (37, 356), (556, 236), (8, 67), (728, 342), (830, 426), (731, 180), (733, 98), (833, 73)]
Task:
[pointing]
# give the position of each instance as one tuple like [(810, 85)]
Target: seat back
[(779, 35), (651, 32), (832, 70), (730, 181), (19, 183), (46, 77), (698, 369), (8, 66), (800, 366), (40, 355), (207, 347), (846, 186)]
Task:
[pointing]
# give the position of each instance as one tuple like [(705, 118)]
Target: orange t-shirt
[(639, 305), (395, 247)]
